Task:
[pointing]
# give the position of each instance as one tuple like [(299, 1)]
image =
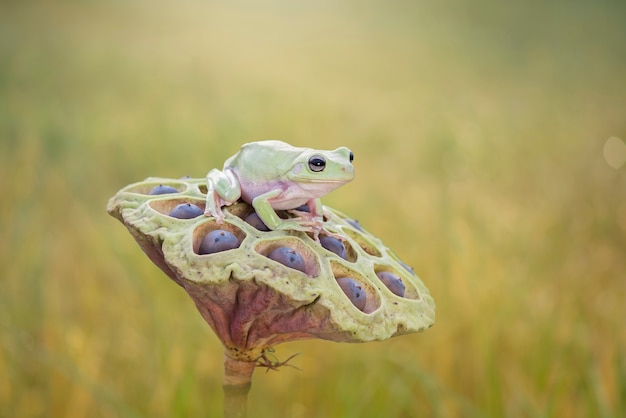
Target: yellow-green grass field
[(481, 139)]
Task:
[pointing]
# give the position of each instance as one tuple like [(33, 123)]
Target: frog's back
[(263, 159)]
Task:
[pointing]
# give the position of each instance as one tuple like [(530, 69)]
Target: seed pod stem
[(236, 385)]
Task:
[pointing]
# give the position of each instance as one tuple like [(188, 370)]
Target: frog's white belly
[(292, 194)]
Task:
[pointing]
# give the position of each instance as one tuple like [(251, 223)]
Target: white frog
[(273, 175)]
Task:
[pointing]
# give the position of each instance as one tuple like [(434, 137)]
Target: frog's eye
[(317, 163), (351, 156)]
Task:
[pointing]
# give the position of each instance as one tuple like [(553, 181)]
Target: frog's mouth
[(314, 180), (307, 177)]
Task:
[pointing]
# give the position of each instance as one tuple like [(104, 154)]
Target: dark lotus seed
[(335, 245), (355, 224), (161, 189), (288, 257), (353, 291), (407, 267), (303, 208), (254, 220), (217, 241), (392, 282), (186, 211)]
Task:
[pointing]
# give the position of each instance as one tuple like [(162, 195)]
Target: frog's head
[(316, 166)]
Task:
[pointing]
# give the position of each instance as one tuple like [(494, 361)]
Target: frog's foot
[(333, 235), (317, 227), (316, 230), (311, 225), (216, 213), (303, 214)]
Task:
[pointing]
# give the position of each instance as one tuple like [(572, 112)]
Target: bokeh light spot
[(614, 152)]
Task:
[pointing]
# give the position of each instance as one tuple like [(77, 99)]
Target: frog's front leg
[(263, 206), (313, 215), (316, 216), (313, 210), (223, 189)]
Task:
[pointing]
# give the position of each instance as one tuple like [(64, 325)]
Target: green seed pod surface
[(254, 303)]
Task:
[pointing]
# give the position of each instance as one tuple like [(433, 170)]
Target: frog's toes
[(218, 215), (303, 215), (312, 226), (333, 235)]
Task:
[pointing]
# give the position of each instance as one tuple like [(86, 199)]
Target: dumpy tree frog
[(273, 175)]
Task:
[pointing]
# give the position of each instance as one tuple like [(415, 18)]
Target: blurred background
[(489, 151)]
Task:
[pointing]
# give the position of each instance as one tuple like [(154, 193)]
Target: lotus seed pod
[(254, 303)]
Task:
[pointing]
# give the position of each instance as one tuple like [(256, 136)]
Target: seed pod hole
[(179, 208), (217, 241), (355, 224), (247, 213), (365, 243), (354, 291), (342, 249), (288, 257), (254, 220), (157, 188), (186, 211), (292, 253), (211, 237), (356, 288), (239, 209), (162, 189), (334, 245), (393, 282), (397, 281), (405, 266)]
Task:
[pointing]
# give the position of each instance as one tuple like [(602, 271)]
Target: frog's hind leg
[(223, 189)]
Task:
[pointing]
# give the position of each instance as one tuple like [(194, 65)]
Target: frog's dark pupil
[(351, 156), (317, 164)]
